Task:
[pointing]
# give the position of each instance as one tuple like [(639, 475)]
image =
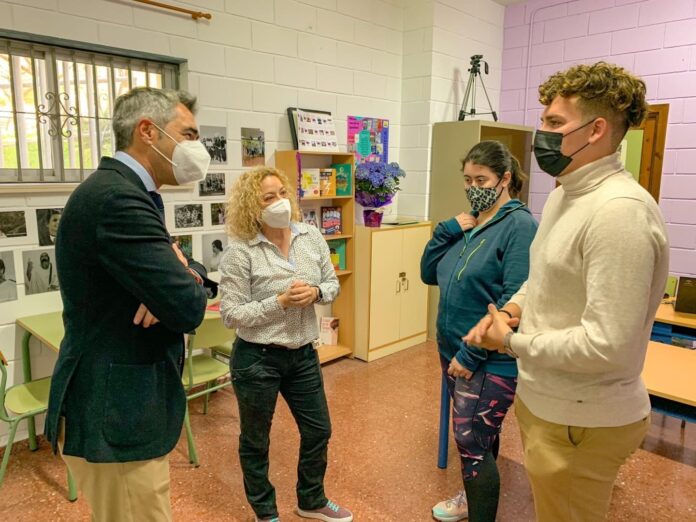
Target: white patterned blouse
[(253, 274)]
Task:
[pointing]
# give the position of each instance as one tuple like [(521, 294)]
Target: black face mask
[(547, 150)]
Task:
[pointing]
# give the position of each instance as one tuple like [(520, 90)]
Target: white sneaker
[(452, 510)]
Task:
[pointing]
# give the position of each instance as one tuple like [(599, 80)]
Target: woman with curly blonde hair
[(272, 272)]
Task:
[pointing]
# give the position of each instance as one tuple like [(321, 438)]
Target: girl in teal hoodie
[(476, 259)]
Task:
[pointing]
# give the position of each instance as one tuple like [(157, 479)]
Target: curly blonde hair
[(604, 90), (243, 212)]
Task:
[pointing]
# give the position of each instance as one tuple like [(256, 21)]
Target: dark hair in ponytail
[(497, 157)]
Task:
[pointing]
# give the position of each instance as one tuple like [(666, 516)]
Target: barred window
[(56, 105)]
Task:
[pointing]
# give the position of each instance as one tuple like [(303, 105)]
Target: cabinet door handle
[(405, 284), (398, 286)]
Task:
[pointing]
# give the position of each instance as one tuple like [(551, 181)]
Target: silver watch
[(507, 346)]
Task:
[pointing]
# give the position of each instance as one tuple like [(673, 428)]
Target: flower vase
[(372, 217)]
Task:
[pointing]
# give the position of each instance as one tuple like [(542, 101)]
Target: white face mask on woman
[(190, 160), (277, 215)]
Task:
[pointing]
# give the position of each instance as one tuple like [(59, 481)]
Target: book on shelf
[(311, 213), (344, 179), (327, 182), (331, 220), (328, 332), (337, 250), (309, 217), (310, 183)]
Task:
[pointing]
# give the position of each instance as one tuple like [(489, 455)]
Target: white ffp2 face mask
[(190, 159), (277, 215)]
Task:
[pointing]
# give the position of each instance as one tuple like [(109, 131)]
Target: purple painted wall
[(655, 39)]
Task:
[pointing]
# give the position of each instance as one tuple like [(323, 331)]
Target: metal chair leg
[(72, 487), (8, 449), (193, 457), (444, 425), (26, 369), (205, 399)]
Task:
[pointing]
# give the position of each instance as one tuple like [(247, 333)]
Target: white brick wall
[(256, 10), (272, 39), (248, 65), (439, 38), (317, 49), (253, 60)]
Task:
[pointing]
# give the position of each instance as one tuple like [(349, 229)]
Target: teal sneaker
[(452, 510), (331, 512), (267, 519)]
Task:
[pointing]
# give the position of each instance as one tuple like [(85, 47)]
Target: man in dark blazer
[(117, 404)]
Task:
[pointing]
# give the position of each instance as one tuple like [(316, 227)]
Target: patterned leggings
[(479, 406)]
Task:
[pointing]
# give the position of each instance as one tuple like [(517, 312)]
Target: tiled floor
[(382, 458)]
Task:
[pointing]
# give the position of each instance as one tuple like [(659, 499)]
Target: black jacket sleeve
[(134, 247)]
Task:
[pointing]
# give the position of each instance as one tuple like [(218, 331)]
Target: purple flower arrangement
[(376, 183)]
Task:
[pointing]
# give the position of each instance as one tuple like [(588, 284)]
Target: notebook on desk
[(686, 296)]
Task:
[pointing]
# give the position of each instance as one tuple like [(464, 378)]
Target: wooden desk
[(670, 375), (670, 372), (666, 314)]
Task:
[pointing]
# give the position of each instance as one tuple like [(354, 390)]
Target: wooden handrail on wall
[(194, 14)]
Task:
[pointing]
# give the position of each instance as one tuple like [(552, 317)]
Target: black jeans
[(259, 372)]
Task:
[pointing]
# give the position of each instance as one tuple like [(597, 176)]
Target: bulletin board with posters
[(368, 139)]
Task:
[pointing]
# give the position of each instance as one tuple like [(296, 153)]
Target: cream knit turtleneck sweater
[(598, 268)]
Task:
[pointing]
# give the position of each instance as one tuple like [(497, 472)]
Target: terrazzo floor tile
[(382, 458)]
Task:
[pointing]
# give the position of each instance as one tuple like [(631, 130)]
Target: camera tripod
[(471, 89)]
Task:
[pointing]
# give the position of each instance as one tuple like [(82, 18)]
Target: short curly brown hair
[(604, 90)]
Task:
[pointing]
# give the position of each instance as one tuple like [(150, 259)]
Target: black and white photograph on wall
[(215, 140), (188, 216), (213, 245), (253, 147), (217, 213), (47, 220), (212, 185), (8, 278), (40, 273), (13, 223), (185, 243)]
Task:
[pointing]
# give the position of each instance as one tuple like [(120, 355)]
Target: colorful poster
[(368, 138), (316, 132)]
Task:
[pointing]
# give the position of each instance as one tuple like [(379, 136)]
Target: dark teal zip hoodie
[(487, 264)]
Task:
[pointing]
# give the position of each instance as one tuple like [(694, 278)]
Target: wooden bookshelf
[(325, 198), (329, 352), (291, 162)]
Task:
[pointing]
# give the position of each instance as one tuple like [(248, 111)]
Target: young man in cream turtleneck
[(598, 268)]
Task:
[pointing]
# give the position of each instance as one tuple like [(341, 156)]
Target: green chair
[(25, 401), (204, 370), (223, 352)]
